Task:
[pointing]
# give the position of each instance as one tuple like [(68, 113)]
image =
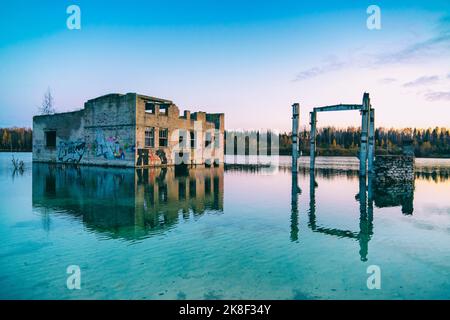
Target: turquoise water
[(222, 234)]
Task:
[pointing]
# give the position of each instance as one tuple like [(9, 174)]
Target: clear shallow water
[(240, 234)]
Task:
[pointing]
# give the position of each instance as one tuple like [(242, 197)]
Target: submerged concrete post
[(371, 151), (312, 147), (295, 119), (364, 133)]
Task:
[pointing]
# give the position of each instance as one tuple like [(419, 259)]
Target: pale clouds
[(331, 65), (438, 44), (387, 80), (438, 96), (425, 80), (435, 46)]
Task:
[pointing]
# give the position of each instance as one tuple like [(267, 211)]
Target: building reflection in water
[(384, 195), (127, 203), (397, 194), (370, 193)]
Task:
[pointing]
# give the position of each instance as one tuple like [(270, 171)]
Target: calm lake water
[(223, 234)]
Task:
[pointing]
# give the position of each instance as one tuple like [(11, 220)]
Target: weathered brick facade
[(129, 130)]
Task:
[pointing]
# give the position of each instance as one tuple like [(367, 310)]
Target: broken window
[(208, 139), (150, 137), (50, 139), (150, 107), (192, 136), (163, 137), (164, 109), (216, 139), (181, 138)]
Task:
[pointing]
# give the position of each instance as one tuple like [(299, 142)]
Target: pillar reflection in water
[(366, 216), (365, 232), (127, 203), (295, 191)]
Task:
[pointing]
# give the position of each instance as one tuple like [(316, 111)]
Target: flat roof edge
[(153, 98), (56, 114)]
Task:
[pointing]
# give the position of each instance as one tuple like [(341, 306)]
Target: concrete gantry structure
[(367, 145)]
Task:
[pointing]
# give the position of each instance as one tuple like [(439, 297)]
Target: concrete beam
[(339, 107)]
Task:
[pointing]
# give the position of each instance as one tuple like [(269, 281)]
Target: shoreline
[(288, 155)]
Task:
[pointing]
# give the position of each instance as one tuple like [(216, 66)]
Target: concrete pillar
[(364, 135), (312, 147), (371, 151), (295, 119)]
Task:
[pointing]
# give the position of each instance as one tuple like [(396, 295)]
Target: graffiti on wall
[(71, 151), (147, 157), (110, 147)]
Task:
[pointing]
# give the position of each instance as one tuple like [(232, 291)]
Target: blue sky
[(249, 59)]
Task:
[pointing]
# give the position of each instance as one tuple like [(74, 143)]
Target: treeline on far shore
[(331, 141), (16, 139)]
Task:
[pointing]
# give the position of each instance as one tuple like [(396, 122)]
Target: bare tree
[(47, 106)]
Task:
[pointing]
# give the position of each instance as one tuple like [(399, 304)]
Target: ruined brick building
[(129, 130)]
